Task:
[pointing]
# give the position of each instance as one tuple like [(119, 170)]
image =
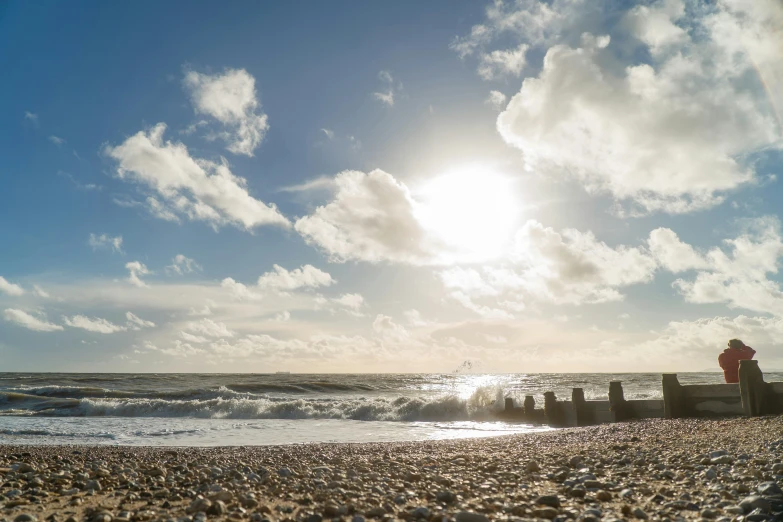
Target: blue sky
[(531, 186)]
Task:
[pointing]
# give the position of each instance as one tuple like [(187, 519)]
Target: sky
[(521, 185)]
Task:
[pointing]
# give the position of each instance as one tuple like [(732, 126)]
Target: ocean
[(263, 409)]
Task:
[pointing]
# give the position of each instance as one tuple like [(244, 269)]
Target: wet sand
[(657, 470)]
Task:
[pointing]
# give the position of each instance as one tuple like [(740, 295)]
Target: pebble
[(24, 517), (549, 500), (467, 516)]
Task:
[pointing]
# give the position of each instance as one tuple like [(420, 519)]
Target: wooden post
[(582, 411), (674, 405), (552, 409), (530, 406), (509, 404), (758, 397), (617, 401)]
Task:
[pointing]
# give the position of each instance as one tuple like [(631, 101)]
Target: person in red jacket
[(730, 359)]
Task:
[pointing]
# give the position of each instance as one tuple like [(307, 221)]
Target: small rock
[(549, 500), (640, 514), (603, 496), (467, 516), (546, 512), (284, 472), (421, 512), (94, 485), (217, 508), (708, 513), (575, 461), (752, 502), (24, 517), (357, 518), (626, 493), (532, 466), (445, 496), (769, 488), (199, 504)]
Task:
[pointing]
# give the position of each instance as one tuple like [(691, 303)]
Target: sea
[(278, 409)]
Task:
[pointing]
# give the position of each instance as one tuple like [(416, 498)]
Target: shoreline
[(652, 469)]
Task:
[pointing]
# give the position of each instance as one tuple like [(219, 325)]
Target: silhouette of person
[(730, 359)]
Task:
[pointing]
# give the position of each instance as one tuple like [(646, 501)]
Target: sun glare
[(472, 210)]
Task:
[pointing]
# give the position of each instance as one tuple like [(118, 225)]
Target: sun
[(472, 210)]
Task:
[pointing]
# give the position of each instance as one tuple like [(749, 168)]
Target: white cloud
[(183, 265), (739, 278), (93, 324), (239, 290), (307, 276), (28, 321), (387, 95), (194, 188), (190, 338), (673, 132), (285, 315), (329, 133), (682, 342), (40, 292), (371, 218), (320, 183), (136, 269), (205, 310), (566, 267), (10, 288), (31, 116), (231, 99), (497, 64), (573, 266), (209, 328), (672, 253), (496, 99), (350, 301), (105, 241), (137, 323), (56, 140)]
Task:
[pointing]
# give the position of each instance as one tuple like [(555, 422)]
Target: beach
[(657, 469)]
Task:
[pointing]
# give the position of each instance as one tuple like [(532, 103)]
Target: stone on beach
[(647, 470)]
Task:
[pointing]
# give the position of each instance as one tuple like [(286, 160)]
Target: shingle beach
[(649, 470)]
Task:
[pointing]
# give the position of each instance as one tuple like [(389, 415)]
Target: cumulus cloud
[(496, 99), (371, 218), (738, 276), (209, 328), (56, 140), (193, 188), (566, 267), (25, 320), (230, 97), (9, 288), (674, 132), (135, 270), (105, 241), (183, 265), (305, 277), (682, 342), (93, 324)]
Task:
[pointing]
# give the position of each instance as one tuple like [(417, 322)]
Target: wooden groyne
[(751, 397)]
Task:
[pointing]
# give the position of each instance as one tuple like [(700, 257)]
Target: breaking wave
[(228, 404)]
